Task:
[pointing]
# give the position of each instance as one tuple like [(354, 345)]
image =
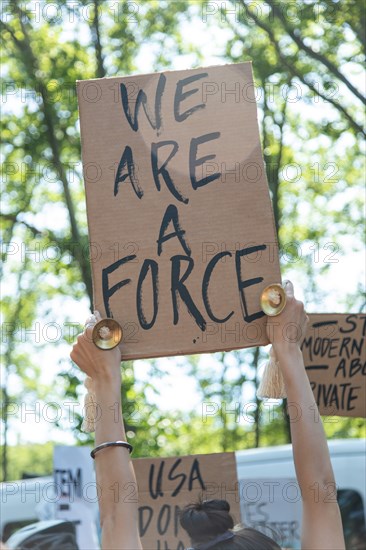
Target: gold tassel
[(90, 407), (272, 385)]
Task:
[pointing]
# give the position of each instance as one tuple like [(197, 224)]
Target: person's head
[(209, 525)]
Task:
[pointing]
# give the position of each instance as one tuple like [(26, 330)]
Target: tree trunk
[(257, 401)]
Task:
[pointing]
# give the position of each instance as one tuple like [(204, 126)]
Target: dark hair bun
[(206, 519), (215, 504)]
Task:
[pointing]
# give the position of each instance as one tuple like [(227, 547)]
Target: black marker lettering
[(171, 216), (248, 318), (144, 522), (181, 96), (108, 292), (127, 160), (363, 318), (152, 266), (177, 515), (195, 475), (157, 491), (194, 162), (171, 477), (142, 100), (332, 394), (161, 170), (352, 397), (356, 367), (344, 345), (163, 524), (178, 287), (356, 348), (205, 282), (341, 367), (349, 321), (308, 343), (333, 348)]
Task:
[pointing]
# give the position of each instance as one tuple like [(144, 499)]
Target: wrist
[(107, 383), (108, 400), (287, 353)]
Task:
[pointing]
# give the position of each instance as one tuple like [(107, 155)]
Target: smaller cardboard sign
[(273, 507), (76, 495), (334, 351), (166, 485)]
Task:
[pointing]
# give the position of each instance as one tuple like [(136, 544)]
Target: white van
[(269, 495), (270, 498)]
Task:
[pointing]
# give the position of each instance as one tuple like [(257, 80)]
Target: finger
[(88, 333), (74, 357), (90, 322), (289, 289), (97, 315)]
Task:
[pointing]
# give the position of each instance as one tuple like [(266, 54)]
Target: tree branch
[(36, 232), (12, 322), (13, 217), (358, 30), (97, 42), (6, 27), (296, 73), (272, 182), (257, 416), (315, 55), (31, 66)]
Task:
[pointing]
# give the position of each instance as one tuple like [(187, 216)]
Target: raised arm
[(321, 525), (118, 498)]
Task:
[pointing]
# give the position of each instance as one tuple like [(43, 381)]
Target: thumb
[(289, 289)]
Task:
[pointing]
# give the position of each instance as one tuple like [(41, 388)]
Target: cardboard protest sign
[(334, 351), (273, 506), (181, 229), (76, 495), (166, 485)]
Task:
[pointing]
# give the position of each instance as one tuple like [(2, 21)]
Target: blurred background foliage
[(307, 61)]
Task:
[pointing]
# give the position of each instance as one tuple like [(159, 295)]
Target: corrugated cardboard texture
[(334, 353), (167, 484), (229, 214)]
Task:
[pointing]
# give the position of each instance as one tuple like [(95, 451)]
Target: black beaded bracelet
[(111, 444)]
